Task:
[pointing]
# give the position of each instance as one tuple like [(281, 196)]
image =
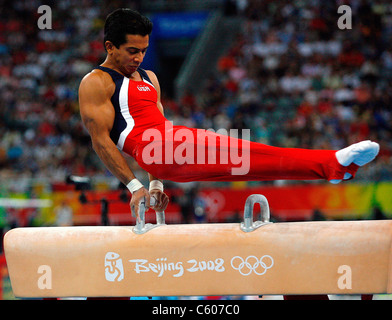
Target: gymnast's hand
[(139, 196), (161, 200)]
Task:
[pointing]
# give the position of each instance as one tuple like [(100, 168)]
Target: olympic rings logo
[(252, 263)]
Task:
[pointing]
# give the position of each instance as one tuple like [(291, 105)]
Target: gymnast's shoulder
[(153, 78), (97, 81)]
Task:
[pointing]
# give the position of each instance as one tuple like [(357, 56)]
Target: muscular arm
[(97, 114), (162, 198), (155, 82)]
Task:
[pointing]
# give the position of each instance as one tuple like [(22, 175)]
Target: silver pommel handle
[(249, 225), (141, 226)]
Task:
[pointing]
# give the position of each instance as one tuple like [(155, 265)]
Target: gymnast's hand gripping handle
[(140, 219), (160, 214)]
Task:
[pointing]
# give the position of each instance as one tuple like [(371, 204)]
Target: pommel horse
[(250, 258)]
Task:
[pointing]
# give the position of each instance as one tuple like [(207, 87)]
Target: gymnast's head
[(122, 22), (126, 38)]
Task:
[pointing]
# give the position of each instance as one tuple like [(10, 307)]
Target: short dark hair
[(125, 21)]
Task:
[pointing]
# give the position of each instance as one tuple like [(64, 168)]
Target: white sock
[(359, 153)]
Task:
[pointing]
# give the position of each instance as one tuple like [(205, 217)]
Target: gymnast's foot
[(359, 153)]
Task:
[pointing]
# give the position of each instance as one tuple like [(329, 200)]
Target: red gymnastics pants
[(183, 154)]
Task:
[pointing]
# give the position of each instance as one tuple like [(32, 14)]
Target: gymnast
[(121, 108)]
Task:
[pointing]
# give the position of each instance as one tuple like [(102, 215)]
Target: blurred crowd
[(292, 77), (41, 132), (297, 80)]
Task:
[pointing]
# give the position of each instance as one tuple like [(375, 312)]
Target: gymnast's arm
[(162, 198), (97, 114)]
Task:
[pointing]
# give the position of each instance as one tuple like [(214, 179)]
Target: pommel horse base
[(251, 258)]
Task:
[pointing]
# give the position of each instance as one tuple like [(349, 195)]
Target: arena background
[(283, 69)]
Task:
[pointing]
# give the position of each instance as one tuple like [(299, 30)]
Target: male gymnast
[(120, 102)]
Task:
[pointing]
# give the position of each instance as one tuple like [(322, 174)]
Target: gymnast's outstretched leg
[(199, 155)]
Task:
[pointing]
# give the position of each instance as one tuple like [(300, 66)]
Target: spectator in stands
[(287, 55)]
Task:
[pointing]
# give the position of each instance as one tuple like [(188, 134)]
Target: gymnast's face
[(128, 57)]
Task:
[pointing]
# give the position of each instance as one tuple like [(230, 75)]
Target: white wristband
[(134, 185), (156, 184)]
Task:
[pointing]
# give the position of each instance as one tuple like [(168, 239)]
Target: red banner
[(287, 203)]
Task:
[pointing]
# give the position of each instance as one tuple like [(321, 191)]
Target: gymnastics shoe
[(359, 153)]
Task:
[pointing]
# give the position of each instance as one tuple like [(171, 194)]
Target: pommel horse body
[(251, 258)]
